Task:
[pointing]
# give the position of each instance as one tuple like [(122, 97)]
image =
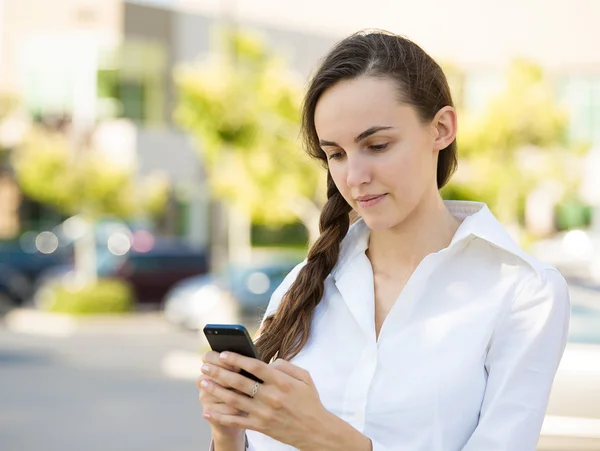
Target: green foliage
[(572, 213), (288, 235), (519, 140), (104, 296), (243, 110), (526, 113), (48, 170)]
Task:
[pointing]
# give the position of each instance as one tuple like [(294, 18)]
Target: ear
[(445, 127)]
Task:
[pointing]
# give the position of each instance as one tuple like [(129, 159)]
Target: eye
[(335, 156), (377, 147)]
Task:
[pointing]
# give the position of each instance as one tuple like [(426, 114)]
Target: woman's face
[(381, 156)]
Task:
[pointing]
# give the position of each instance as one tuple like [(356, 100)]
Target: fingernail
[(223, 356), (205, 368), (204, 383), (207, 416)]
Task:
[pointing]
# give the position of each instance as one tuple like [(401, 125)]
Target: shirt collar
[(477, 221)]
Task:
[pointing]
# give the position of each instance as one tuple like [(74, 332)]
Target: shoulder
[(283, 288), (489, 241), (528, 274), (546, 285), (539, 302), (355, 241)]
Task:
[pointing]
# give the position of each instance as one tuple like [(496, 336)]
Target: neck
[(428, 229)]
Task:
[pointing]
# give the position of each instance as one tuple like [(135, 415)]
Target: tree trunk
[(240, 246), (309, 213), (311, 222), (86, 268)]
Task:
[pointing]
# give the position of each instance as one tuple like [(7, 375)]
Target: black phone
[(233, 338)]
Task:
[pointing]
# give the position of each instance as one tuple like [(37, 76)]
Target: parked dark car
[(14, 289), (19, 271), (154, 272), (151, 272)]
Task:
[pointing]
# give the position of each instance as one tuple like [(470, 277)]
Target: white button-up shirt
[(465, 358)]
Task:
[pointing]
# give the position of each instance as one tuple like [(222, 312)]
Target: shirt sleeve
[(523, 356), (248, 445), (376, 446)]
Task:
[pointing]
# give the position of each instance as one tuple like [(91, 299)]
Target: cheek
[(406, 173), (339, 176), (398, 168), (413, 162)]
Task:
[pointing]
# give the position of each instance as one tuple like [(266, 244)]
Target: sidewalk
[(36, 322)]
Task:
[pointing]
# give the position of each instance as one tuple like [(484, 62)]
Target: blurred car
[(574, 253), (20, 268), (29, 263), (585, 313), (14, 289), (150, 270), (248, 288)]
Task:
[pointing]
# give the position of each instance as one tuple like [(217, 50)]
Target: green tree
[(83, 182), (242, 107), (520, 139)]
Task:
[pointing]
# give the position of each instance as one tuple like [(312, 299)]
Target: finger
[(213, 358), (253, 366), (222, 408), (236, 421), (207, 397), (229, 379), (229, 397), (292, 370)]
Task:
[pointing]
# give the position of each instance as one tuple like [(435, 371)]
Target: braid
[(285, 333)]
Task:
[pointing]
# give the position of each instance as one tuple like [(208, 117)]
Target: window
[(581, 96), (132, 81)]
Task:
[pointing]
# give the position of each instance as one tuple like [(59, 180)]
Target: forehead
[(352, 106)]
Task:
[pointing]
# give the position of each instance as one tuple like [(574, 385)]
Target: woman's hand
[(211, 403), (286, 406)]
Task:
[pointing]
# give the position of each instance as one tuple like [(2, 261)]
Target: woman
[(422, 326)]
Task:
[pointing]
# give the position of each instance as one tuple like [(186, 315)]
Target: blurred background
[(151, 181)]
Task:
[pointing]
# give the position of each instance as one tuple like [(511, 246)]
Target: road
[(105, 390), (96, 393)]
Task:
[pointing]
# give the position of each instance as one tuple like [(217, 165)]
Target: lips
[(370, 200), (368, 197)]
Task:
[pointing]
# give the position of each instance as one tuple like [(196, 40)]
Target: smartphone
[(233, 338)]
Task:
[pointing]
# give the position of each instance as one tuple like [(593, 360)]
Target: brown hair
[(422, 84)]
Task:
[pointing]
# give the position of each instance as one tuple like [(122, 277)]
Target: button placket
[(357, 390)]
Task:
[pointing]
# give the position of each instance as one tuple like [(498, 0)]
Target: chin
[(380, 222)]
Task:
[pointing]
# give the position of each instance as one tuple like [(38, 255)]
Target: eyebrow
[(368, 132)]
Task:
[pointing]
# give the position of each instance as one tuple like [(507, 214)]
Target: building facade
[(113, 61)]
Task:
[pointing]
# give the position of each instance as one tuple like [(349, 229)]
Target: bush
[(573, 214), (105, 296)]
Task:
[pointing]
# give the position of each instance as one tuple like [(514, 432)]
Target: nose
[(358, 171)]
